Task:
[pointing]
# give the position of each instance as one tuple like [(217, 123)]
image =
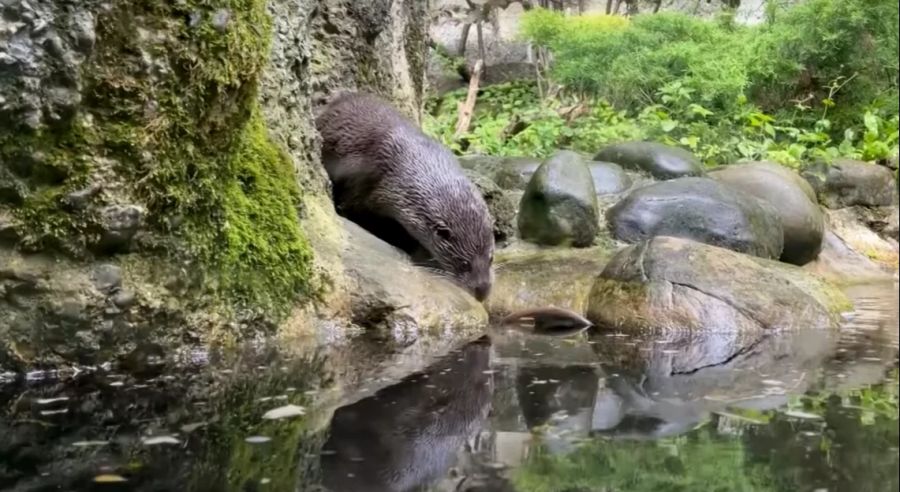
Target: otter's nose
[(482, 291)]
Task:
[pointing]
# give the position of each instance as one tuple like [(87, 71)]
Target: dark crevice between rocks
[(726, 361)]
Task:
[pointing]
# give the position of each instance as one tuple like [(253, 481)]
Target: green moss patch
[(170, 101)]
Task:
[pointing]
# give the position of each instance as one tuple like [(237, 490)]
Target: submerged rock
[(671, 283), (792, 198), (700, 209), (847, 182), (559, 207), (659, 160)]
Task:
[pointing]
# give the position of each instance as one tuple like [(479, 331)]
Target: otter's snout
[(482, 290)]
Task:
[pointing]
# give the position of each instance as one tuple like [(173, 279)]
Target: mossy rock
[(659, 160), (559, 207), (677, 284)]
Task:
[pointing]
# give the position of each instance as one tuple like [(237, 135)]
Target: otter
[(406, 188)]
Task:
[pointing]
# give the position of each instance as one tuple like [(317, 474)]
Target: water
[(805, 411)]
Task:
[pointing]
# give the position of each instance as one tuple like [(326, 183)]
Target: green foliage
[(511, 119), (803, 55)]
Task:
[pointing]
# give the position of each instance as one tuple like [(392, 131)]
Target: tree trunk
[(609, 4), (463, 40), (481, 50)]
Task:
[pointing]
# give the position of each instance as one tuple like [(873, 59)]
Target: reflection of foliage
[(855, 449), (698, 461), (852, 447)]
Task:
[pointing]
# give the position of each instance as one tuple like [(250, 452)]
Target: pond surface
[(597, 411)]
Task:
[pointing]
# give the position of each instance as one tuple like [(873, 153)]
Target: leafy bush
[(842, 53), (511, 119)]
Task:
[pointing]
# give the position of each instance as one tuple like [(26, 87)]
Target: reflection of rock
[(544, 391), (659, 160), (700, 209), (664, 383), (407, 435), (528, 277), (792, 198), (677, 284)]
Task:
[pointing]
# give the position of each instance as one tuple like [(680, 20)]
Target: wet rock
[(528, 277), (659, 160), (8, 232), (609, 178), (387, 289), (792, 198), (846, 182), (500, 204), (120, 223), (700, 209), (107, 277), (559, 207), (671, 283)]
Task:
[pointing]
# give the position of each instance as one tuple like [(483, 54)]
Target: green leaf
[(668, 125)]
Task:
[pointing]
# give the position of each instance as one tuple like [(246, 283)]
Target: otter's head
[(457, 231)]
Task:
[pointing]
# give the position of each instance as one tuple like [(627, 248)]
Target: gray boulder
[(700, 209), (846, 182), (609, 178), (659, 160), (793, 200)]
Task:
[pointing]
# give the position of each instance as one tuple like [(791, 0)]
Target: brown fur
[(406, 188)]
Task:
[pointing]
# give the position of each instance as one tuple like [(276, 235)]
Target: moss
[(172, 101)]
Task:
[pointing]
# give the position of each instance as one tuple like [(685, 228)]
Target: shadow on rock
[(408, 435)]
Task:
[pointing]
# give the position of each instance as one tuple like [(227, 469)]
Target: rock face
[(559, 206), (676, 284), (176, 141), (791, 197), (700, 209), (847, 182), (659, 160)]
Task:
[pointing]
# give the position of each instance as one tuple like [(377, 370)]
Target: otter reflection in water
[(408, 435)]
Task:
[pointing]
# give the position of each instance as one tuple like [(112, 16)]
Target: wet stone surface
[(510, 411)]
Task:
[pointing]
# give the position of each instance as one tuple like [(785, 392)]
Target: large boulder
[(847, 182), (559, 207), (792, 198), (659, 160), (609, 178), (700, 209), (671, 283)]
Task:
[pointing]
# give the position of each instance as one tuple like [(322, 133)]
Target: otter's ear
[(442, 230)]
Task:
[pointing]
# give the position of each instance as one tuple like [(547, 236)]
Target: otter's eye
[(466, 266), (443, 231)]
